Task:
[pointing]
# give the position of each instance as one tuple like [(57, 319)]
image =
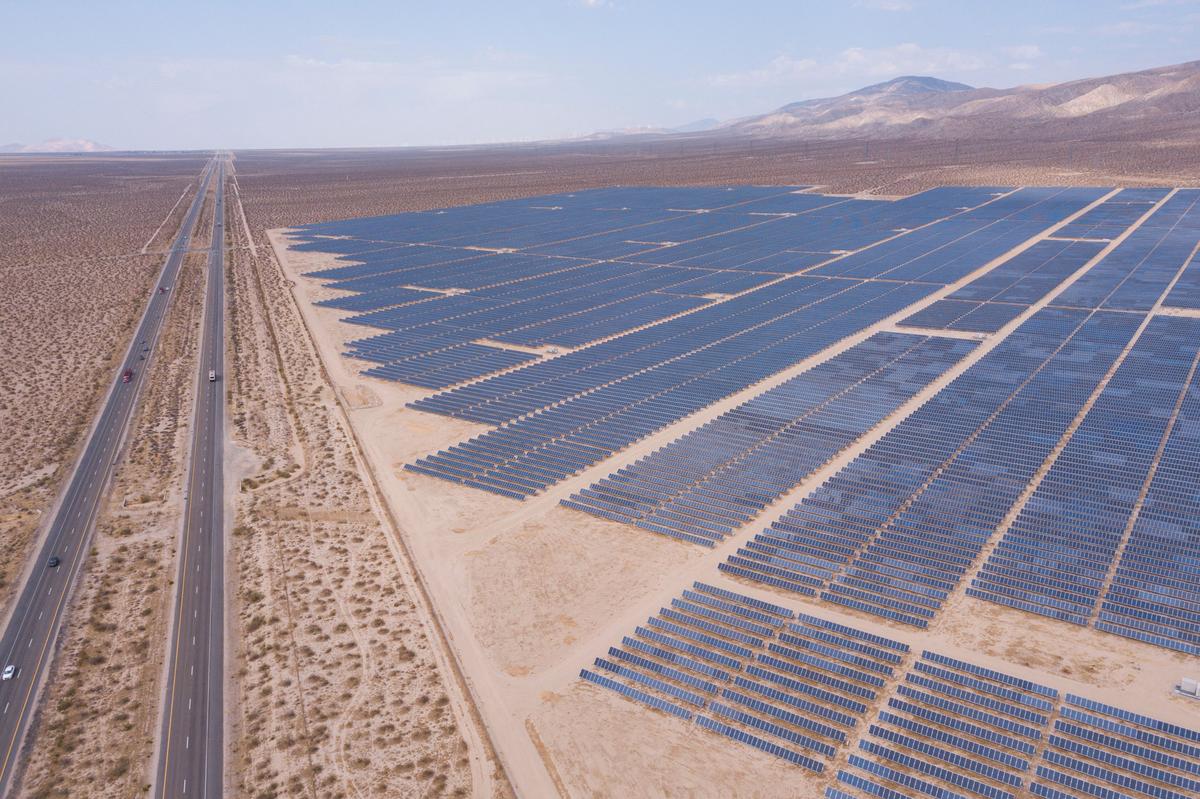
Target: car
[(10, 671), (53, 562), (212, 375)]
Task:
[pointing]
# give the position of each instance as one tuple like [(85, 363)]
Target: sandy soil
[(344, 687), (105, 679), (531, 592)]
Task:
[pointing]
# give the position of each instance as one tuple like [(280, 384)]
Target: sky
[(255, 73)]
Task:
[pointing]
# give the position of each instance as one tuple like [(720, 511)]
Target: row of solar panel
[(894, 531), (471, 323), (800, 681), (994, 299), (1134, 275), (718, 477), (951, 250), (532, 453), (445, 267), (1186, 292), (950, 725), (1056, 556), (972, 317), (550, 215), (1114, 216), (942, 742), (1154, 590), (507, 397)]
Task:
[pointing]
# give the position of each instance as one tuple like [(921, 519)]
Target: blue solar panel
[(719, 476), (1055, 557), (917, 506)]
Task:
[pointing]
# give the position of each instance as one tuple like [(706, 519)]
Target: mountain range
[(921, 106)]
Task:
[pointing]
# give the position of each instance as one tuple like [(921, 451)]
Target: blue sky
[(172, 75)]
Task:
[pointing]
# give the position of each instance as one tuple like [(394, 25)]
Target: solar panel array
[(1154, 591), (809, 690), (615, 394), (1110, 219), (956, 729), (1056, 557), (716, 478), (994, 299), (1137, 272), (951, 250), (792, 685), (669, 300), (894, 531), (1186, 293), (452, 287), (1100, 750), (565, 414), (972, 317)]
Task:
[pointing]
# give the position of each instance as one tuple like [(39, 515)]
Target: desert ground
[(392, 634), (82, 237), (344, 686), (107, 676), (530, 592)]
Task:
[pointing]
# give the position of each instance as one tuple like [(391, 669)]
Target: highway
[(191, 746), (29, 636)]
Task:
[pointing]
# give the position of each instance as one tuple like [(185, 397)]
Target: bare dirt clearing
[(342, 686)]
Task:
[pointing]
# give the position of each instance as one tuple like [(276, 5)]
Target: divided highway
[(27, 643), (191, 745)]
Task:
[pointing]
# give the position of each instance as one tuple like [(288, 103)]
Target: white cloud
[(1139, 4), (885, 5), (436, 80), (1129, 28), (1023, 52), (905, 59), (859, 63), (780, 69)]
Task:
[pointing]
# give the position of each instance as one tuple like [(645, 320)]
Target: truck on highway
[(127, 376)]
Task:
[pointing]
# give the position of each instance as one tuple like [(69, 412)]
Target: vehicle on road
[(212, 376), (127, 376), (53, 562), (163, 289), (10, 671)]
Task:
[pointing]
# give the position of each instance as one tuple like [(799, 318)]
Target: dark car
[(53, 562)]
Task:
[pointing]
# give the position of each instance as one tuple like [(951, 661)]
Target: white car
[(10, 671)]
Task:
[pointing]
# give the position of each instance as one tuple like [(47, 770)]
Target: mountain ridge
[(923, 106)]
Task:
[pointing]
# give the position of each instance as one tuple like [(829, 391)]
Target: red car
[(127, 376)]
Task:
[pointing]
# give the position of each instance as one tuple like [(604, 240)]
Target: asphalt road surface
[(190, 762), (27, 643)]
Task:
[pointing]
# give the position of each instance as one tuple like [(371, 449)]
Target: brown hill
[(1160, 98)]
